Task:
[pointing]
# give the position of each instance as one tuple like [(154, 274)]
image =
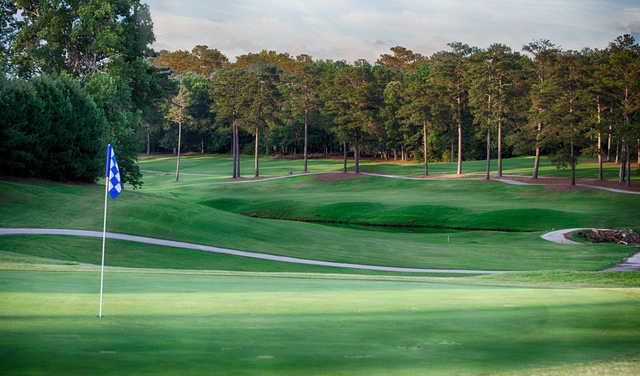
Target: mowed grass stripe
[(184, 324)]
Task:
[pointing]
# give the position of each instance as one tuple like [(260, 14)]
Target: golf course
[(319, 188), (545, 308)]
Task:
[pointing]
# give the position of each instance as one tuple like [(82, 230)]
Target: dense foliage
[(50, 129), (103, 46), (462, 103)]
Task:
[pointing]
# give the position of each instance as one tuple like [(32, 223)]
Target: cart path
[(257, 255), (591, 186), (504, 179), (559, 236)]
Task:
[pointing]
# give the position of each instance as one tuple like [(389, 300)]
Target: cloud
[(349, 29)]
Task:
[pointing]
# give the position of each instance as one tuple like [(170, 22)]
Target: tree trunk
[(202, 145), (305, 141), (622, 172), (256, 157), (536, 162), (356, 154), (573, 156), (628, 166), (425, 149), (452, 149), (238, 151), (499, 148), (617, 150), (459, 138), (234, 175), (638, 151), (609, 145), (600, 175), (573, 162), (178, 156), (488, 172), (148, 141), (344, 152)]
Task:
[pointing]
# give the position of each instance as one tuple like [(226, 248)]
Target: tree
[(9, 25), (50, 128), (491, 84), (542, 90), (416, 102), (598, 94), (178, 113), (104, 45), (301, 88), (261, 88), (624, 68), (565, 128), (227, 89), (201, 60), (202, 118), (402, 60), (449, 69), (349, 101)]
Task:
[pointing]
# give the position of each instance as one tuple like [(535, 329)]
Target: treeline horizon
[(79, 76), (462, 103)]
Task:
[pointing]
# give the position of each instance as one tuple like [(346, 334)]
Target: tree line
[(77, 75), (74, 76), (461, 103)]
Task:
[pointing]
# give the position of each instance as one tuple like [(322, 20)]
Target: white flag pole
[(104, 237)]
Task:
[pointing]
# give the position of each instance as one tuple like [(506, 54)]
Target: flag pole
[(104, 237)]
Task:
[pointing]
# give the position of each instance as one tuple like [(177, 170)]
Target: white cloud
[(352, 29)]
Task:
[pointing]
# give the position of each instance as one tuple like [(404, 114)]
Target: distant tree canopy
[(201, 60)]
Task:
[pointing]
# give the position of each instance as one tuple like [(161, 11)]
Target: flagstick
[(104, 236)]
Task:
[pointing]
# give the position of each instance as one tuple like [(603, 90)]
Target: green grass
[(432, 216), (217, 167), (179, 214), (172, 311), (69, 250), (166, 324)]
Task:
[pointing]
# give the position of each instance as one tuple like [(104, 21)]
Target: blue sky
[(333, 29)]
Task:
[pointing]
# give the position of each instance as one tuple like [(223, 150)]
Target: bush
[(50, 129)]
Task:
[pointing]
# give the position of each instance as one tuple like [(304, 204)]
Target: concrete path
[(591, 186), (630, 264), (511, 182), (558, 236), (206, 248), (402, 177)]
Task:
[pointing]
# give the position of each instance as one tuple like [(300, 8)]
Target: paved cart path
[(559, 236), (504, 179), (206, 248)]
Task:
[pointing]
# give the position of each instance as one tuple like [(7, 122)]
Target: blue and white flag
[(113, 174)]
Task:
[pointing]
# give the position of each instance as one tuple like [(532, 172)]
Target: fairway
[(416, 224)]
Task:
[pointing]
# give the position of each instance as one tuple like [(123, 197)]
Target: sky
[(349, 30)]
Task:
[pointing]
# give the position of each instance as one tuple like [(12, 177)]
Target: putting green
[(186, 324)]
